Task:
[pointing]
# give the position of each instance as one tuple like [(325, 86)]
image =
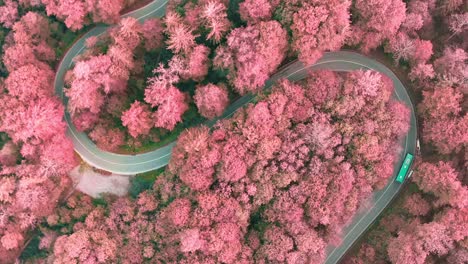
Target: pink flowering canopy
[(252, 54), (211, 100), (138, 119), (279, 179)]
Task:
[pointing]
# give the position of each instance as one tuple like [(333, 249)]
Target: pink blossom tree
[(137, 119), (197, 63), (450, 67), (214, 16), (31, 35), (254, 11), (128, 34), (171, 109), (441, 180), (36, 123), (161, 93), (443, 124), (318, 27), (458, 23), (256, 51), (371, 29), (77, 13), (181, 38), (8, 154), (195, 159), (88, 246), (8, 13), (422, 72), (153, 33), (211, 100), (107, 138), (30, 82)]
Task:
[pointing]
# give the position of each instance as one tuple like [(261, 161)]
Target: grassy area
[(32, 251), (144, 181)]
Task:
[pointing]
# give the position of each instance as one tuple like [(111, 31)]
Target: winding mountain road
[(337, 61)]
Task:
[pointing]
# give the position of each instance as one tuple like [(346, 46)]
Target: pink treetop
[(194, 158), (449, 6), (87, 246), (402, 47), (119, 71), (458, 23), (76, 13), (19, 55), (436, 237), (164, 79), (11, 240), (447, 135), (58, 155), (423, 51), (153, 33), (128, 33), (85, 120), (179, 212), (257, 51), (451, 67), (422, 72), (412, 23), (191, 241), (277, 245), (107, 138), (162, 93), (378, 20), (441, 103), (32, 123), (171, 20), (441, 180), (8, 13), (400, 115), (30, 42), (30, 82), (253, 11), (322, 86), (319, 27), (211, 100), (417, 205), (424, 9), (407, 248), (137, 119), (8, 154), (32, 29), (197, 63), (106, 11), (181, 38), (84, 95), (170, 111), (233, 160), (72, 12), (214, 16)]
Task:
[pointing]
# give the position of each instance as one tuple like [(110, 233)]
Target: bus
[(404, 168)]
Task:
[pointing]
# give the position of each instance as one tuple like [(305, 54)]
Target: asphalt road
[(337, 61)]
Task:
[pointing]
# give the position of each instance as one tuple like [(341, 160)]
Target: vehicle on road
[(405, 167)]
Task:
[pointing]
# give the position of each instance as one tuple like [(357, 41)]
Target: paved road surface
[(338, 61)]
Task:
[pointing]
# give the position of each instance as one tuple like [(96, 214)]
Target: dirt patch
[(94, 184)]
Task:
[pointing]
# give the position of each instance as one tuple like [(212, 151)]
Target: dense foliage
[(275, 183), (428, 223)]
